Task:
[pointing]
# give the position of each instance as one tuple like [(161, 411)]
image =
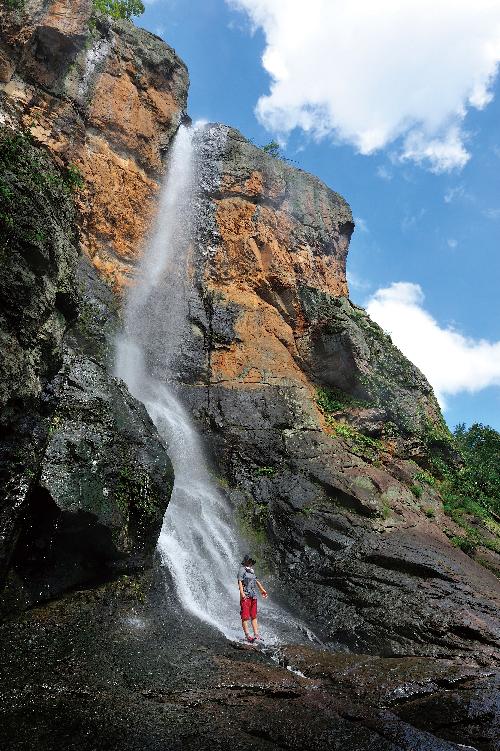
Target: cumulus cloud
[(451, 361), (373, 74)]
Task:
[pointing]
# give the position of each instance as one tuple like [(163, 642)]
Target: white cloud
[(452, 243), (451, 361), (357, 282), (492, 214), (453, 193), (442, 154), (384, 173), (361, 224), (372, 74), (410, 221)]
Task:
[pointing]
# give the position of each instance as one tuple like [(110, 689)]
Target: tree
[(120, 8), (479, 479), (273, 149)]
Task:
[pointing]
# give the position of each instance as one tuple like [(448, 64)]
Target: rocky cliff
[(327, 441), (85, 479), (87, 107), (104, 96), (325, 434)]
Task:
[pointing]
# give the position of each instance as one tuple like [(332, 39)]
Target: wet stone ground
[(115, 668)]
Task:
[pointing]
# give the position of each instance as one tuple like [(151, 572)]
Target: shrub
[(416, 490), (479, 478), (265, 471), (424, 476), (470, 491), (359, 443), (120, 8), (438, 438), (334, 400), (74, 178), (464, 543), (385, 511)]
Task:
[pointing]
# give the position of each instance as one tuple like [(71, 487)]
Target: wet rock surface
[(119, 667)]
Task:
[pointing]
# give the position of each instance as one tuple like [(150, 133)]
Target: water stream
[(198, 541)]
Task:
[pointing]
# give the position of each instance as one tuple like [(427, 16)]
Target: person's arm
[(241, 573), (261, 589)]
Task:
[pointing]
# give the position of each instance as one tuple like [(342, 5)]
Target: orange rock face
[(105, 97), (278, 229)]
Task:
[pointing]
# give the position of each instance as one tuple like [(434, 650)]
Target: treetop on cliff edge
[(124, 9)]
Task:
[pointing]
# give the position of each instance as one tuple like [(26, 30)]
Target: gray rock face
[(346, 350), (85, 477)]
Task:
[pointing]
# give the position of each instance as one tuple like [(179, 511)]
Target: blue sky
[(433, 226)]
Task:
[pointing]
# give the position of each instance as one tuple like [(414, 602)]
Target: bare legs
[(246, 629), (255, 628)]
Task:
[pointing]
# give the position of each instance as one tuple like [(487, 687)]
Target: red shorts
[(248, 608)]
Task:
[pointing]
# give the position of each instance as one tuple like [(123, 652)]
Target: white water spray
[(197, 542)]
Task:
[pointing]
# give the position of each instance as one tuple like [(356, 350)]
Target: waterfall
[(198, 542)]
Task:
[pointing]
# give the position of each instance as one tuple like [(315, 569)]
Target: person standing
[(248, 585)]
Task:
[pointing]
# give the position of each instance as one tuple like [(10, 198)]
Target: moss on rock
[(85, 476)]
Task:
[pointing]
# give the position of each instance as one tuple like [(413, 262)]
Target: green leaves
[(74, 178), (334, 400), (124, 9), (471, 494), (273, 149), (479, 479)]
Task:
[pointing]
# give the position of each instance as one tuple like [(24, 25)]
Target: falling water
[(197, 543)]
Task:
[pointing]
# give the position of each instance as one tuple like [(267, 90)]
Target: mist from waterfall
[(198, 542)]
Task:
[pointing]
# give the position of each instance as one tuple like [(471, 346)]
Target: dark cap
[(248, 559)]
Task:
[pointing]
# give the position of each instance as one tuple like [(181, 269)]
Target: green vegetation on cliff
[(335, 400), (480, 477), (368, 370), (12, 4), (20, 162), (120, 8), (471, 492), (360, 444), (38, 256)]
